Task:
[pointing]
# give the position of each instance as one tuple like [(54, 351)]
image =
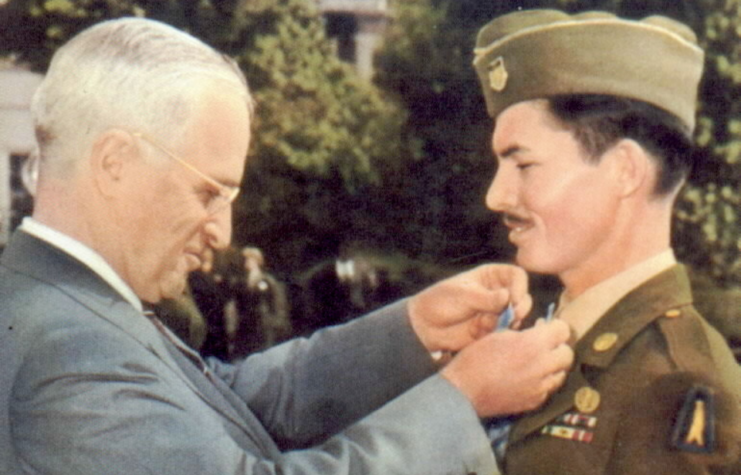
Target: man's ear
[(111, 157), (633, 168)]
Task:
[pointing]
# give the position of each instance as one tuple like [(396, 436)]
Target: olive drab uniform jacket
[(654, 390)]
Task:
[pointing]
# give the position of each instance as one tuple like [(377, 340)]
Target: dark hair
[(600, 121)]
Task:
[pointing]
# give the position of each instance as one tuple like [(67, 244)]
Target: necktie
[(497, 429), (188, 352)]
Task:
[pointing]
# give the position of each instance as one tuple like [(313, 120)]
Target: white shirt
[(84, 254)]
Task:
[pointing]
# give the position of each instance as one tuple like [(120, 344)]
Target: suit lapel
[(31, 256), (217, 394)]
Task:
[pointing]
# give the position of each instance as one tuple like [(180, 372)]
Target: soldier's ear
[(631, 166), (110, 156)]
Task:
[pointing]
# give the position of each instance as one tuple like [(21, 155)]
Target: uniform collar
[(583, 312), (654, 299)]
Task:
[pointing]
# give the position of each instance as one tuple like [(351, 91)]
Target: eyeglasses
[(226, 194)]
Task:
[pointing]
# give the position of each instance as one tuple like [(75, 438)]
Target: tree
[(708, 214), (324, 137)]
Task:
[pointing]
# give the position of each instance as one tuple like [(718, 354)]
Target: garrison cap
[(534, 54)]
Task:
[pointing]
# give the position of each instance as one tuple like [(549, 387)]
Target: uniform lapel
[(560, 402), (668, 290)]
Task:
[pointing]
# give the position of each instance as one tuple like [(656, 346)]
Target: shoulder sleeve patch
[(694, 427)]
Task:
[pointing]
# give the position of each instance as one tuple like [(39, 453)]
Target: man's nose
[(502, 194), (218, 229)]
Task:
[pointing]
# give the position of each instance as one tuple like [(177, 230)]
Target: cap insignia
[(498, 75)]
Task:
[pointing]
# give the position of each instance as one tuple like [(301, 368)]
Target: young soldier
[(593, 117)]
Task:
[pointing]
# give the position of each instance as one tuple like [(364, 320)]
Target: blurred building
[(356, 27), (17, 142)]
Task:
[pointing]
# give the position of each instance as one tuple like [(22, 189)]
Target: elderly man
[(593, 121), (143, 134)]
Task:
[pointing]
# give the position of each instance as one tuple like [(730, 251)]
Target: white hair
[(131, 73)]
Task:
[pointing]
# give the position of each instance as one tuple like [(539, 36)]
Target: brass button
[(586, 399), (672, 313), (605, 341)]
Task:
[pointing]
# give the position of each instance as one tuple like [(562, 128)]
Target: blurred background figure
[(340, 289), (233, 306), (261, 318), (215, 288), (360, 278)]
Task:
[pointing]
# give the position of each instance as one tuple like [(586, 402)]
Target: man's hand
[(511, 372), (457, 311)]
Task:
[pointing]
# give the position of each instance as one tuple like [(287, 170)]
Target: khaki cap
[(535, 54)]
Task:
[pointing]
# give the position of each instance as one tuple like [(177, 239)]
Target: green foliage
[(324, 139), (314, 112), (708, 213)]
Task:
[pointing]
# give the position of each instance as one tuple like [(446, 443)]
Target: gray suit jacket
[(89, 386)]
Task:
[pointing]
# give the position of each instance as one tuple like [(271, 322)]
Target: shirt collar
[(84, 254), (585, 310)]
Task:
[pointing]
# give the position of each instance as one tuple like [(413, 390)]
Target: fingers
[(491, 302), (523, 304), (554, 337), (489, 322), (509, 372), (501, 285), (552, 333), (512, 278), (557, 364), (487, 305), (519, 293), (490, 288), (553, 381), (461, 309), (561, 358), (482, 325), (558, 357)]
